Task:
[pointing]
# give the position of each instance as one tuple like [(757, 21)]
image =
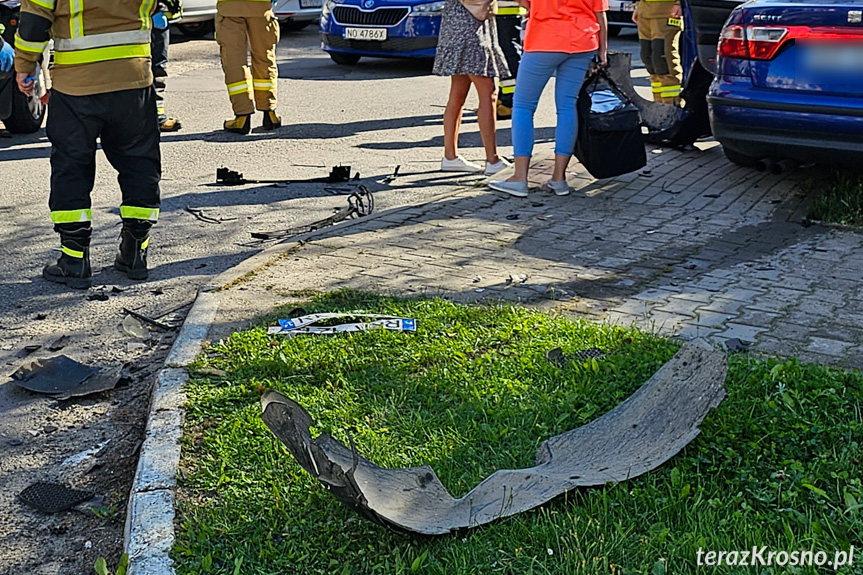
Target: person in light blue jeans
[(562, 38)]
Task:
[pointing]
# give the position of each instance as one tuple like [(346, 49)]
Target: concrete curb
[(149, 529)]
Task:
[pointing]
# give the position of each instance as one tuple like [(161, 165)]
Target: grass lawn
[(842, 200), (777, 464)]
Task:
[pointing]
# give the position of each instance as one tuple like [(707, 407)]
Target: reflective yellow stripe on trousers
[(71, 216), (71, 252), (264, 85), (137, 213), (238, 88)]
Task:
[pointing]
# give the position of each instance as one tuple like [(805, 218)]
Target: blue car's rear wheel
[(343, 59)]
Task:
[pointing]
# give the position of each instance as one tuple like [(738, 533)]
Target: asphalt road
[(372, 116)]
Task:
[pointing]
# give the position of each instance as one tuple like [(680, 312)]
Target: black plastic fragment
[(53, 497)]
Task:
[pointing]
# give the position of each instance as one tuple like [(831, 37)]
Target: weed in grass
[(842, 200), (777, 464)]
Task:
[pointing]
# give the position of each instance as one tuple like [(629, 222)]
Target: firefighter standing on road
[(242, 23), (658, 28), (160, 39), (102, 89)]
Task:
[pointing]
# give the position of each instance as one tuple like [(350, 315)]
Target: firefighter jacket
[(244, 8), (655, 8), (99, 45)]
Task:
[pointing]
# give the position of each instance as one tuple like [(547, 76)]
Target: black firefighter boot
[(73, 267), (134, 239)]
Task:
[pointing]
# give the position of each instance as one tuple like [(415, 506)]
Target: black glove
[(173, 9)]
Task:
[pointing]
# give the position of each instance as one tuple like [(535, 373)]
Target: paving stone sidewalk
[(691, 246)]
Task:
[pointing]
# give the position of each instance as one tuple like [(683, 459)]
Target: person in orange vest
[(242, 23), (102, 90), (658, 30)]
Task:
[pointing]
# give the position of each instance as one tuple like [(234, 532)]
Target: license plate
[(311, 4), (827, 58), (627, 6), (366, 34)]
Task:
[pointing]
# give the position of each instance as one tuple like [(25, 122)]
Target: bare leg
[(522, 165), (458, 89), (561, 162), (486, 115)]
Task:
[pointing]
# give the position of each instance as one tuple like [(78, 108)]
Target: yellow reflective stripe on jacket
[(102, 40), (136, 213), (101, 54), (238, 88), (27, 46), (71, 216), (264, 84), (145, 13), (71, 252), (76, 18), (48, 4)]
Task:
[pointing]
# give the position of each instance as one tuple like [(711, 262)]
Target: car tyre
[(614, 30), (197, 29), (24, 120), (739, 158), (344, 59)]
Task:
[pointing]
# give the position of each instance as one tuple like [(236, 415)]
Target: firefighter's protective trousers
[(509, 26), (243, 27), (658, 35), (126, 124)]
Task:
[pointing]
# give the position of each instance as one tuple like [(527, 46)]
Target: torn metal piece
[(305, 324), (361, 203), (337, 175), (53, 497), (638, 435), (64, 378)]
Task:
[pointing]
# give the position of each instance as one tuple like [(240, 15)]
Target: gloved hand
[(160, 20), (7, 56), (172, 8)]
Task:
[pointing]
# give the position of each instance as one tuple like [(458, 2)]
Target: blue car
[(788, 83), (351, 29)]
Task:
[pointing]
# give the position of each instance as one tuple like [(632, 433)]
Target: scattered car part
[(27, 350), (337, 175), (148, 320), (133, 327), (640, 434), (361, 203), (392, 176), (305, 324), (53, 497), (59, 343), (199, 214), (64, 378), (557, 357)]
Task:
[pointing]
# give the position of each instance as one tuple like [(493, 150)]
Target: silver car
[(199, 17), (295, 15)]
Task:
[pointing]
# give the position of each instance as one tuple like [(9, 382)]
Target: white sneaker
[(458, 164), (559, 187), (517, 189), (492, 169)]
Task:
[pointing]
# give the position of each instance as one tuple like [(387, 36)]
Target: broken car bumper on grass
[(638, 435)]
